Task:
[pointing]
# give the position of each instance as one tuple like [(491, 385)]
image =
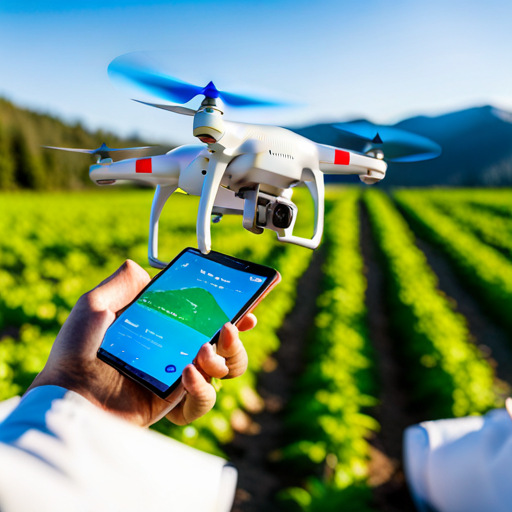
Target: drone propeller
[(172, 89), (105, 152), (173, 108), (397, 146)]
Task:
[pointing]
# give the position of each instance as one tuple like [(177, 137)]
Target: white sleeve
[(59, 452), (461, 465)]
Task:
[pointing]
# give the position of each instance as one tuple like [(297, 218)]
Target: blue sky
[(384, 60)]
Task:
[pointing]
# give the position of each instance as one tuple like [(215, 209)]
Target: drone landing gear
[(262, 210), (211, 185), (214, 200), (162, 193), (317, 190)]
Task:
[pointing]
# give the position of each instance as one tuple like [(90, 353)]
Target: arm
[(73, 364), (66, 444), (460, 464)]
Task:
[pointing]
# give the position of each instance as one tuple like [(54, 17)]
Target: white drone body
[(244, 169)]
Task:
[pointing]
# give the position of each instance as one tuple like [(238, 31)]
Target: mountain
[(477, 149), (25, 164), (194, 307)]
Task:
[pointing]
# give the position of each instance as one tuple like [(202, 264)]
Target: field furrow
[(490, 228), (328, 427), (65, 244), (449, 375), (486, 270)]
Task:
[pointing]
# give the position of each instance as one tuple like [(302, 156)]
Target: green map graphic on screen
[(194, 307)]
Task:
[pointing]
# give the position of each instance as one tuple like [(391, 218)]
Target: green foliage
[(488, 271), (488, 225), (327, 427), (449, 375), (7, 177), (28, 170), (491, 200), (25, 164), (56, 246)]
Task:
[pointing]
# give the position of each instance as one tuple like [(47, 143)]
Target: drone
[(244, 169)]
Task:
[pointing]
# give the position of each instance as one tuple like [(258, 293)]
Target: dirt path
[(258, 480), (491, 338), (394, 413)]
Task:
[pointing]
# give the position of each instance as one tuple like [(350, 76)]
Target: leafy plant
[(488, 271), (449, 374), (326, 422)]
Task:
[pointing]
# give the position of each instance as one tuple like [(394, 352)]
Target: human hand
[(73, 364), (508, 406)]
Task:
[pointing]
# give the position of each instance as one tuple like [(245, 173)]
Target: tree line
[(24, 164)]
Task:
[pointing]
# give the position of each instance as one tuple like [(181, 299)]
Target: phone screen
[(184, 308)]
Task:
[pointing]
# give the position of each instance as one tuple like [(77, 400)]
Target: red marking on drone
[(143, 165), (341, 157)]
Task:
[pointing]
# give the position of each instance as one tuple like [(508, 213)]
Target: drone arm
[(317, 190), (157, 170), (211, 184), (162, 193), (341, 161)]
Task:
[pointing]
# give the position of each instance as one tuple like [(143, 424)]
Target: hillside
[(194, 307), (477, 149), (25, 164)]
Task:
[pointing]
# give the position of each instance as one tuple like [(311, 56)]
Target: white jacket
[(59, 452), (461, 465)]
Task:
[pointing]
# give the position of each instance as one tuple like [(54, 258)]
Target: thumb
[(118, 290)]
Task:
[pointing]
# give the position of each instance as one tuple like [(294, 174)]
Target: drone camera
[(281, 215), (265, 211)]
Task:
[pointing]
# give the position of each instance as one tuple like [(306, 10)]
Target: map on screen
[(162, 332)]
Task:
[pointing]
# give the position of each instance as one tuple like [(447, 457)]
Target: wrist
[(63, 380)]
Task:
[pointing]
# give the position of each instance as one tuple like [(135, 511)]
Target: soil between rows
[(258, 479), (487, 335), (394, 412)]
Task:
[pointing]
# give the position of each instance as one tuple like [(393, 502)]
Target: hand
[(73, 364), (508, 406)]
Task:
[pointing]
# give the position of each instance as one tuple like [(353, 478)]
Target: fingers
[(247, 323), (229, 361), (120, 288), (199, 400), (212, 364), (232, 350), (508, 406)]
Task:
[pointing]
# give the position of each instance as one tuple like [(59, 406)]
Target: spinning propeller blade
[(105, 152), (173, 108), (397, 145), (172, 89)]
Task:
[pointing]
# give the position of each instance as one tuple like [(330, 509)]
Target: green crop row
[(56, 246), (492, 229), (235, 397), (448, 373), (326, 422), (497, 201), (488, 271)]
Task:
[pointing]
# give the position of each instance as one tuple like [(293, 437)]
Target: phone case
[(271, 286), (165, 394)]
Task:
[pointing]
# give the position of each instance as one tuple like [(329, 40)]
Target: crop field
[(402, 315)]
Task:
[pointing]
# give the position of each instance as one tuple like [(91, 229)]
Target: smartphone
[(185, 306)]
